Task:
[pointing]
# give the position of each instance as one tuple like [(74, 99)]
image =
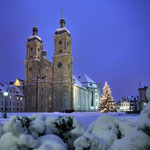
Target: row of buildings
[(86, 95), (12, 98), (133, 103)]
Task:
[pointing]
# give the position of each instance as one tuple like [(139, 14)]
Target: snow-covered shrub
[(136, 140), (37, 125), (14, 126), (1, 129), (51, 142), (107, 128), (126, 126), (144, 120), (27, 141), (9, 142), (89, 142), (139, 138), (68, 128), (49, 125)]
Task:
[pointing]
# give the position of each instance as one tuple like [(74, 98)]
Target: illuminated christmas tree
[(106, 103)]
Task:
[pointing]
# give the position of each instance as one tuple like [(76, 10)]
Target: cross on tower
[(62, 12), (35, 20)]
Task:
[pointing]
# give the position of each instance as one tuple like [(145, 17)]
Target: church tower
[(62, 70), (38, 75)]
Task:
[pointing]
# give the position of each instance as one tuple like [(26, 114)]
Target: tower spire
[(35, 29), (35, 20), (62, 20), (62, 13)]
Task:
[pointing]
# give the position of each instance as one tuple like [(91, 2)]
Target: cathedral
[(51, 86)]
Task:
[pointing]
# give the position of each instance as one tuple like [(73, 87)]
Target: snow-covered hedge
[(66, 133), (39, 133), (108, 133)]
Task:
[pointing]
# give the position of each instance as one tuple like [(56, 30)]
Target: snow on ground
[(86, 118)]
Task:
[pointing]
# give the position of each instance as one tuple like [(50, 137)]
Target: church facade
[(50, 87)]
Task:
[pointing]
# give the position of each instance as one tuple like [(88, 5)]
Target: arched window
[(92, 98)]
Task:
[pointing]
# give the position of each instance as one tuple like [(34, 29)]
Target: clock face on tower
[(59, 64)]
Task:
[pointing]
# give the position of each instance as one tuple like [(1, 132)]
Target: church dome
[(62, 28), (34, 35)]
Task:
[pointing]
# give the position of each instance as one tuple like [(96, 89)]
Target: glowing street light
[(5, 95)]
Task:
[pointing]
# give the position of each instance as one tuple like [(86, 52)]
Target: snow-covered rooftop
[(4, 87), (77, 82), (61, 29), (34, 37), (87, 81)]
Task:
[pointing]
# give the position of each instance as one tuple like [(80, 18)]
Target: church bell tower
[(62, 70), (32, 70)]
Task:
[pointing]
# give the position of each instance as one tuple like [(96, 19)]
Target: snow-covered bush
[(68, 128), (66, 132), (107, 128), (139, 138), (23, 133), (51, 142), (37, 125), (144, 120), (89, 142), (39, 133), (14, 126), (102, 133)]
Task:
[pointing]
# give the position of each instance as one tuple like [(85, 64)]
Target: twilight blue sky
[(110, 38)]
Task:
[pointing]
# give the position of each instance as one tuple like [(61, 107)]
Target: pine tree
[(106, 103)]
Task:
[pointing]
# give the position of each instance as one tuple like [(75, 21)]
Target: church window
[(59, 65), (92, 98), (42, 88), (69, 65), (60, 51), (43, 77), (60, 42), (38, 49), (30, 69)]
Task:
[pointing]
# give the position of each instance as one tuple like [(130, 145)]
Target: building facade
[(143, 99), (129, 103), (49, 86), (86, 94), (14, 101)]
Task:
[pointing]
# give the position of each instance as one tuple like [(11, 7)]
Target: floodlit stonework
[(50, 86)]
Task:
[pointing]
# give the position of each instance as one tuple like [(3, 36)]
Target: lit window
[(21, 98), (10, 97), (17, 97)]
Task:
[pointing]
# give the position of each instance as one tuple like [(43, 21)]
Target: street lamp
[(5, 113)]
